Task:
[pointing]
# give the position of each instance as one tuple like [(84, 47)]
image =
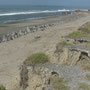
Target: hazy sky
[(48, 2)]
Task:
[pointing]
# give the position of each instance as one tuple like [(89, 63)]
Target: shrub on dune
[(37, 58)]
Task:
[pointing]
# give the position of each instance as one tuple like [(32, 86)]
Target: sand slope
[(13, 53)]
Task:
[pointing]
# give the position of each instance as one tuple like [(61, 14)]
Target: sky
[(47, 2)]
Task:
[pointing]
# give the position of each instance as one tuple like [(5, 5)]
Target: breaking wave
[(32, 12)]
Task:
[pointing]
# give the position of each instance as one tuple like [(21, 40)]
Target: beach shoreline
[(14, 52), (38, 21), (12, 30)]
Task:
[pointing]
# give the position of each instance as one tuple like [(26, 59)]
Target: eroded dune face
[(72, 55), (75, 47), (43, 77)]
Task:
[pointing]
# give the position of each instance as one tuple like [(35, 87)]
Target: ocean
[(17, 13)]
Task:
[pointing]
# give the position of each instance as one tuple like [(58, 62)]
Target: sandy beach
[(14, 52), (15, 26)]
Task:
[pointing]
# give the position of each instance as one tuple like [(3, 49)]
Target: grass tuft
[(78, 34), (88, 77), (38, 58), (85, 27), (64, 43), (2, 87), (59, 83), (83, 31)]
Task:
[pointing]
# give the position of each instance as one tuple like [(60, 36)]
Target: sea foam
[(32, 12)]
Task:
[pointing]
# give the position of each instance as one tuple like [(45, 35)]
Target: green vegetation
[(84, 86), (88, 77), (64, 43), (79, 34), (59, 83), (83, 31), (38, 58), (85, 27), (2, 87)]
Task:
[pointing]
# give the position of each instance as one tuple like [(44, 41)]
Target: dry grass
[(88, 77), (85, 66), (84, 86), (59, 83), (85, 27), (64, 43), (78, 34)]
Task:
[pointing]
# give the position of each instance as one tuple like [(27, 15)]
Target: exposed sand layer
[(13, 53)]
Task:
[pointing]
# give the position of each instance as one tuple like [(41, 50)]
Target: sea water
[(12, 13)]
